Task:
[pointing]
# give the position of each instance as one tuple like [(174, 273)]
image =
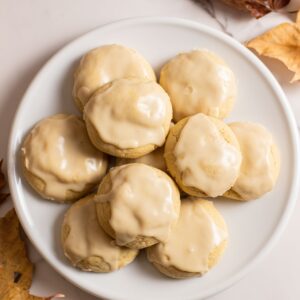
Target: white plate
[(253, 226)]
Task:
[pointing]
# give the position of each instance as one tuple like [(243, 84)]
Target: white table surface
[(31, 31)]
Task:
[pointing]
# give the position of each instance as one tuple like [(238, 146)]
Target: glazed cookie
[(104, 64), (199, 82), (137, 205), (154, 159), (128, 117), (59, 161), (203, 156), (260, 163), (195, 244), (85, 243)]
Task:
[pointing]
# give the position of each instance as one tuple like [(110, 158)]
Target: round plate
[(253, 226)]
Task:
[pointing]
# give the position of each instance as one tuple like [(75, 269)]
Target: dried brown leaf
[(283, 43), (3, 196), (2, 178), (278, 4), (257, 8)]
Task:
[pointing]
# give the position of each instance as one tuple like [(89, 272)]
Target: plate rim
[(290, 120)]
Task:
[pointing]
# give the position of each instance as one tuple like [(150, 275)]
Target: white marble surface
[(33, 30)]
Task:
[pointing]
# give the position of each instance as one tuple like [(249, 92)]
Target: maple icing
[(130, 113), (260, 163), (59, 152), (144, 201), (86, 238), (204, 158), (192, 239), (199, 81), (107, 63)]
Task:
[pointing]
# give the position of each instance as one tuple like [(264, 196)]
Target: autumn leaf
[(257, 8), (13, 257), (11, 291), (283, 43), (15, 267), (3, 196)]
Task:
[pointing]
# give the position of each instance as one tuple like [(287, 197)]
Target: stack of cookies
[(143, 156)]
